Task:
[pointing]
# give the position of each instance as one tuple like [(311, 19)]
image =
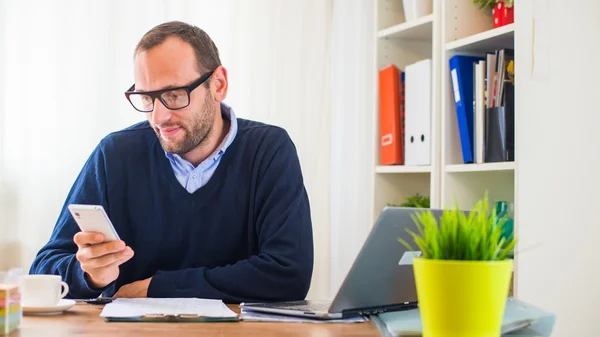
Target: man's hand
[(100, 261), (137, 289)]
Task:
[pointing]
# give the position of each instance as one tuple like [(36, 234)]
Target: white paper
[(252, 316), (542, 41), (137, 307), (455, 85)]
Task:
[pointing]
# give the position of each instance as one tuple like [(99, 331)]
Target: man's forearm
[(260, 278), (65, 265)]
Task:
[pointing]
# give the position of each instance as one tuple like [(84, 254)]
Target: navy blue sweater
[(244, 236)]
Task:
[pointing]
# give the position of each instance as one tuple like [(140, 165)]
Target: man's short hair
[(207, 54)]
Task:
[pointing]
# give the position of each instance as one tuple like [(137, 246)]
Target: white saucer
[(54, 310)]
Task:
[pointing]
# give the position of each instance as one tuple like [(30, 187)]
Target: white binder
[(479, 120), (417, 133)]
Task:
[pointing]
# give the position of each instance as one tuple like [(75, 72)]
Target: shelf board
[(419, 29), (402, 169), (488, 41), (486, 167)]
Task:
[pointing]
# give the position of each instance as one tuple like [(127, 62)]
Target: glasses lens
[(175, 99), (142, 102)]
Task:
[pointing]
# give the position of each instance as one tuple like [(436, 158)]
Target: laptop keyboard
[(303, 305)]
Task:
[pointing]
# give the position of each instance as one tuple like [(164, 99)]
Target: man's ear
[(219, 83)]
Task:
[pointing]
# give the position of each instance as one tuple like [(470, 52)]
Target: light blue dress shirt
[(192, 178)]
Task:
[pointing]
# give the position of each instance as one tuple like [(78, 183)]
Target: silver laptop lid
[(381, 276)]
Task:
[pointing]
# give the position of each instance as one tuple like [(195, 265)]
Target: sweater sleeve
[(58, 255), (282, 269)]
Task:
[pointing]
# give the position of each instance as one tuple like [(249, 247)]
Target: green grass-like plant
[(416, 201), (491, 3), (474, 237)]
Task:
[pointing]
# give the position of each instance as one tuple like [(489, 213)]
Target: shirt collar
[(226, 112)]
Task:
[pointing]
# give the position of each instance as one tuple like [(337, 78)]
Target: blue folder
[(461, 75), (520, 319)]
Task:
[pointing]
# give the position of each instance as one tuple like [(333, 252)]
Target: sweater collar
[(227, 113)]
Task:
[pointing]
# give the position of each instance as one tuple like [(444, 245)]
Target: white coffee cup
[(43, 290)]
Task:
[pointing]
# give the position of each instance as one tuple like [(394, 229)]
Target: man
[(206, 204)]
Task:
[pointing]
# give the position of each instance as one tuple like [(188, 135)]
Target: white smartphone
[(93, 218)]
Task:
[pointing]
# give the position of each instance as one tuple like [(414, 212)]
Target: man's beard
[(196, 131)]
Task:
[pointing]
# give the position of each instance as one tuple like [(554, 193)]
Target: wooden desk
[(85, 320)]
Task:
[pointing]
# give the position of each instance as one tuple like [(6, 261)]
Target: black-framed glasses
[(172, 98)]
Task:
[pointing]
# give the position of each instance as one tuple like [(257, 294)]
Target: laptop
[(381, 278)]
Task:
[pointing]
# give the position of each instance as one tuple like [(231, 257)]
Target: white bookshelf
[(454, 27), (402, 43), (402, 169), (501, 37), (419, 29), (485, 167), (468, 30)]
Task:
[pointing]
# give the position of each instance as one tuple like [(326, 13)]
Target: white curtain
[(64, 66), (352, 154)]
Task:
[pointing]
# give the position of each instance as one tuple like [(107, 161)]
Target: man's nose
[(160, 114)]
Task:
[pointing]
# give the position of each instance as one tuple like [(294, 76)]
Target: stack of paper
[(193, 309)]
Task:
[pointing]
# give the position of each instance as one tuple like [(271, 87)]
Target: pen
[(99, 300)]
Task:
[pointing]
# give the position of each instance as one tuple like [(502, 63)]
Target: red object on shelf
[(503, 15), (390, 123)]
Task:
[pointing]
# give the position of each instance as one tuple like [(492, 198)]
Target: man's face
[(173, 64)]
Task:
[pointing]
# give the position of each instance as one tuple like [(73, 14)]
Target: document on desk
[(167, 309)]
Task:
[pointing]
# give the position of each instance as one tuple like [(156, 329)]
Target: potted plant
[(464, 271), (503, 11), (416, 201)]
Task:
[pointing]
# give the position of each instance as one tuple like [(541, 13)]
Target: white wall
[(64, 66), (282, 61), (558, 165)]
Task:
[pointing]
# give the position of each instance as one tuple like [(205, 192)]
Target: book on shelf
[(500, 112), (479, 111), (417, 138), (391, 126), (483, 90), (462, 74), (405, 114)]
